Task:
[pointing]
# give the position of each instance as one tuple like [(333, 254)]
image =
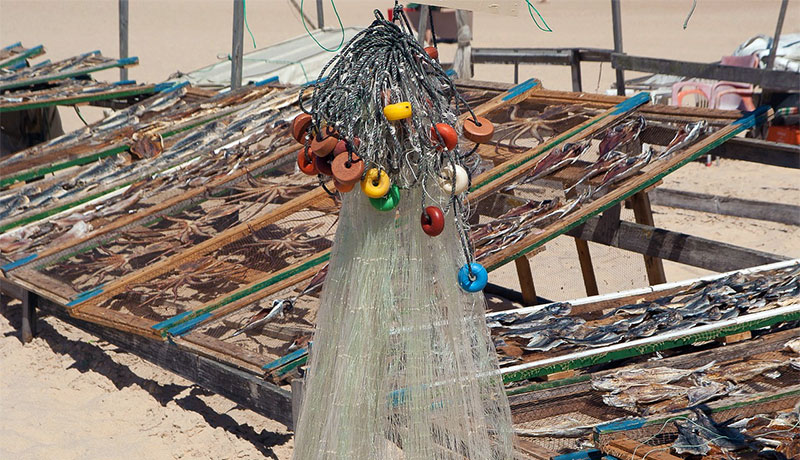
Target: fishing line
[(244, 11), (338, 18), (689, 16), (531, 10)]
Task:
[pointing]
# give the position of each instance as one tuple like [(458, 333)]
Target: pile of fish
[(771, 437), (706, 302), (104, 175), (84, 62), (69, 88)]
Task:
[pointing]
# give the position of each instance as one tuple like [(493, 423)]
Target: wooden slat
[(633, 450), (727, 206), (758, 151), (644, 215), (678, 247)]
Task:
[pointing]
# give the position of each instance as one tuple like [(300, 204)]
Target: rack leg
[(28, 327), (585, 258), (643, 214), (525, 280)]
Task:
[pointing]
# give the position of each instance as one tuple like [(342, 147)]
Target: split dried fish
[(627, 378)]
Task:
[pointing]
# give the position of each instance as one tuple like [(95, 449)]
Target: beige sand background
[(68, 395)]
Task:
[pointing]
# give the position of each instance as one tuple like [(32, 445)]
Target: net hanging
[(402, 365)]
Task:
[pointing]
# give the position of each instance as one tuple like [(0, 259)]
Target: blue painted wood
[(631, 103), (128, 61), (171, 321), (521, 88), (85, 295), (622, 425), (756, 117), (285, 359), (12, 46), (266, 81), (183, 328), (18, 262), (591, 454)]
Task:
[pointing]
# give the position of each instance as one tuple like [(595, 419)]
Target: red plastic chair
[(701, 93), (730, 95)]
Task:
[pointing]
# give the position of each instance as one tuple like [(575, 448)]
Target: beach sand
[(68, 395)]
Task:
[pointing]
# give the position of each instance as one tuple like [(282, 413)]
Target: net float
[(347, 170), (300, 126), (432, 52), (343, 188), (399, 111), (472, 277), (323, 146), (432, 221), (306, 163), (323, 164), (454, 179), (375, 183), (448, 135), (479, 130), (388, 202)]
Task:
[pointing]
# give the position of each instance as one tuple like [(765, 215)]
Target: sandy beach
[(68, 395)]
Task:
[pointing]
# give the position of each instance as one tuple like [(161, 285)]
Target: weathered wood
[(298, 390), (560, 375), (587, 270), (28, 326), (643, 214), (616, 24), (244, 388), (532, 451), (525, 280), (779, 80), (237, 45), (634, 450), (758, 151), (123, 36), (746, 335), (678, 247), (727, 206)]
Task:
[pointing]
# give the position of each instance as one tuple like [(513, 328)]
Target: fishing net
[(401, 361)]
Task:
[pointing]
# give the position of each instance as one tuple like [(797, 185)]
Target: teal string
[(244, 9), (341, 26), (78, 111), (531, 10)]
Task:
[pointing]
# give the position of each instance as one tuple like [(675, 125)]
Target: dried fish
[(627, 378), (645, 394), (706, 390), (794, 345), (265, 315)]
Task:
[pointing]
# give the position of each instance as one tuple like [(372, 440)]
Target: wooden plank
[(525, 280), (643, 214), (560, 375), (746, 335), (127, 62), (298, 390), (77, 99), (243, 388), (758, 151), (727, 206), (623, 447), (769, 79), (533, 451), (678, 247), (513, 96)]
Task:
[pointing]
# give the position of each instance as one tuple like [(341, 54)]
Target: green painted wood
[(27, 54), (60, 76), (640, 350), (76, 99)]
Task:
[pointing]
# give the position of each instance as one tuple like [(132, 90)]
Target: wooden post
[(123, 37), (28, 327), (238, 39), (320, 15), (643, 214), (516, 72), (777, 37), (616, 19), (298, 388), (585, 258), (575, 63), (423, 24), (525, 280)]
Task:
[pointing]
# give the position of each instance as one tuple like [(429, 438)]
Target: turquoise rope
[(531, 10), (341, 26), (247, 26)]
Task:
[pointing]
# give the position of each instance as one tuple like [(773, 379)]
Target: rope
[(78, 111), (338, 18), (247, 26), (691, 11), (531, 10)]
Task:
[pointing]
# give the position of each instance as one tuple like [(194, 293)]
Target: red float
[(480, 132), (343, 188), (306, 163), (300, 126), (448, 133), (432, 221), (323, 164), (346, 171), (432, 52)]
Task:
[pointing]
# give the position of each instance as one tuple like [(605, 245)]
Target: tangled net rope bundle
[(402, 364)]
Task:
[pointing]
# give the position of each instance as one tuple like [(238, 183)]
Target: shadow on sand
[(91, 357)]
